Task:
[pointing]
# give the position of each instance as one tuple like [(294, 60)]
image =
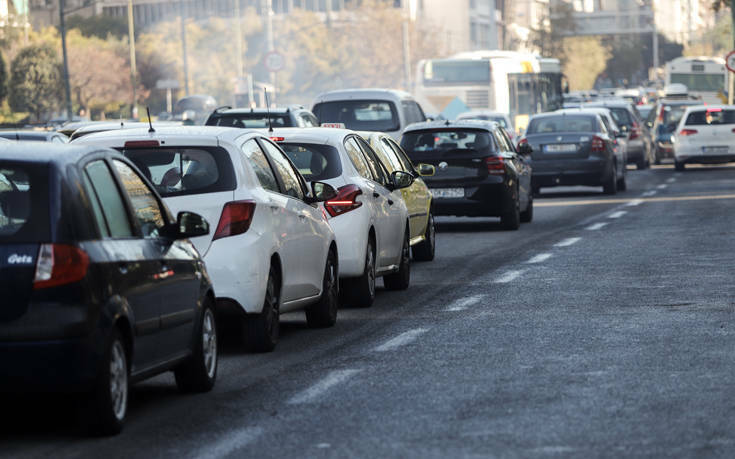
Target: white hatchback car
[(273, 250), (705, 136), (369, 215)]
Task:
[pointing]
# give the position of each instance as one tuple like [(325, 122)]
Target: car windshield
[(360, 115), (24, 203), (562, 123), (447, 140), (315, 162), (712, 116), (672, 114), (249, 120)]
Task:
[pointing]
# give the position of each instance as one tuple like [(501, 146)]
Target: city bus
[(516, 83), (704, 77)]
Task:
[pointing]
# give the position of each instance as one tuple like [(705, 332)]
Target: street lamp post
[(133, 70), (183, 49), (67, 85)]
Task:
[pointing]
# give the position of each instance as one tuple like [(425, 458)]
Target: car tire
[(527, 215), (401, 279), (657, 159), (679, 166), (641, 164), (622, 184), (426, 249), (108, 401), (511, 219), (360, 291), (610, 186), (536, 190), (261, 331), (324, 313), (199, 373)]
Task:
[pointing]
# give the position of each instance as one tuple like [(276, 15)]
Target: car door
[(520, 164), (132, 261), (304, 244), (419, 193)]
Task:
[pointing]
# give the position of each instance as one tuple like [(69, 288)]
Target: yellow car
[(418, 197)]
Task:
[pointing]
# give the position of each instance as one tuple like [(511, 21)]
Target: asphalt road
[(602, 329)]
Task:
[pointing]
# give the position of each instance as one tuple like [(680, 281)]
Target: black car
[(35, 136), (259, 118), (640, 140), (570, 148), (478, 172), (100, 286)]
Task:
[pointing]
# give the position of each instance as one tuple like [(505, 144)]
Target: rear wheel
[(200, 372), (657, 158), (108, 402), (610, 186), (511, 219), (642, 163), (261, 330), (679, 166), (400, 279), (527, 215), (426, 249), (622, 185), (360, 291), (324, 313)]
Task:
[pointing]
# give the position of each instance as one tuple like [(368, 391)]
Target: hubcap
[(118, 380), (209, 343)]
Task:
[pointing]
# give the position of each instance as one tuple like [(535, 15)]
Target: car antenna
[(268, 111), (150, 121)]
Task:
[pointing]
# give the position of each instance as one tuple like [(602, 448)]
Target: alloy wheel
[(118, 380), (209, 343)]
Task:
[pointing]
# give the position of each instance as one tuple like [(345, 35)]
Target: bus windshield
[(453, 71), (700, 82)]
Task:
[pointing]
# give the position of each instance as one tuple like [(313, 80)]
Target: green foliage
[(98, 26), (35, 80), (3, 78)]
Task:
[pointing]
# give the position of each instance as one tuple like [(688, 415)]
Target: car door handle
[(376, 194), (302, 217), (390, 202), (274, 208)]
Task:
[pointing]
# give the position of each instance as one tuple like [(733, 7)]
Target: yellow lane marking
[(644, 200)]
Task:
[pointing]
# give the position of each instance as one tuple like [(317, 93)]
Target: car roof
[(35, 152), (362, 94), (484, 113), (117, 125), (319, 135), (710, 107), (28, 133), (202, 135), (472, 124), (608, 103), (260, 111), (573, 110)]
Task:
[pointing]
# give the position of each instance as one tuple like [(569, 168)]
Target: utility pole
[(238, 40), (269, 42), (731, 88), (133, 70), (183, 48), (67, 85)]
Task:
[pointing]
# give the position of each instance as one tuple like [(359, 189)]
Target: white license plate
[(715, 149), (447, 192), (561, 148)]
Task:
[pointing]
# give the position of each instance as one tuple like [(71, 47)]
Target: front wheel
[(360, 291), (324, 313), (200, 372), (400, 279), (511, 219), (610, 186), (426, 249), (622, 185), (527, 215), (108, 401), (261, 331)]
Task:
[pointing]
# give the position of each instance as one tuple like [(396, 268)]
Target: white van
[(382, 110)]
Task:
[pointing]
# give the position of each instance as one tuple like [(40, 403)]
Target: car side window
[(603, 128), (500, 140), (289, 176), (376, 166), (256, 158), (392, 162), (406, 164), (357, 158), (103, 190), (506, 138), (307, 121), (146, 207)]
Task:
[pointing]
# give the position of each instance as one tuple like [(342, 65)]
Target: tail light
[(235, 219), (278, 139), (687, 132), (59, 264), (345, 201), (635, 131), (495, 165), (598, 145)]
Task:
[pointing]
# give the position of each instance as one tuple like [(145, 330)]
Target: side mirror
[(525, 149), (624, 128), (400, 179), (426, 170), (189, 224), (322, 191)]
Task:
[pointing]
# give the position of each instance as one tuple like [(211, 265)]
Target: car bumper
[(484, 200), (588, 172)]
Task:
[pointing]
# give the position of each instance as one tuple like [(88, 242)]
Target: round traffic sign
[(274, 61), (730, 61)]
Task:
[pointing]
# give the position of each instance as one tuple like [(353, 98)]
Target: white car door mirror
[(322, 191)]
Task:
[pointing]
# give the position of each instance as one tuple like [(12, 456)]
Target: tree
[(3, 79), (586, 58), (35, 80), (99, 26)]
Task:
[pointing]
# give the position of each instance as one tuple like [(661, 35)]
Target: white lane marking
[(332, 379), (231, 442), (463, 303), (671, 180), (510, 276), (568, 242), (540, 258), (401, 340), (617, 214), (635, 202), (663, 186), (649, 193), (596, 226)]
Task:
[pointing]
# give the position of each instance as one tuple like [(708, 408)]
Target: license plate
[(715, 149), (447, 192), (561, 148)]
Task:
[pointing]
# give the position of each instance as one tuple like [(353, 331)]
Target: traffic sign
[(274, 61), (730, 61)]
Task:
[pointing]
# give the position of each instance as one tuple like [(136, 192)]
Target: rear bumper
[(487, 200), (587, 172), (705, 159)]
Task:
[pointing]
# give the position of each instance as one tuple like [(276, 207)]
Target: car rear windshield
[(315, 162), (673, 114), (24, 203), (562, 123), (249, 120), (711, 116), (178, 171), (360, 115), (622, 116), (448, 140)]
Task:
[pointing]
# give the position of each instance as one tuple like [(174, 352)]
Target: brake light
[(235, 219), (598, 145), (687, 132), (661, 114), (142, 144), (345, 201), (278, 139), (59, 264), (635, 131), (495, 165)]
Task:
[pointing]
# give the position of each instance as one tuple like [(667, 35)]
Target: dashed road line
[(510, 276), (231, 442), (401, 340), (567, 242), (540, 258), (617, 214), (649, 193), (596, 226), (635, 202), (463, 303), (663, 186), (334, 378)]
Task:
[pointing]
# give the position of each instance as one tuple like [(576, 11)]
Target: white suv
[(369, 215), (273, 250), (704, 136)]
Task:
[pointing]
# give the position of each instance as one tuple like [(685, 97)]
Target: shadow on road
[(469, 226)]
